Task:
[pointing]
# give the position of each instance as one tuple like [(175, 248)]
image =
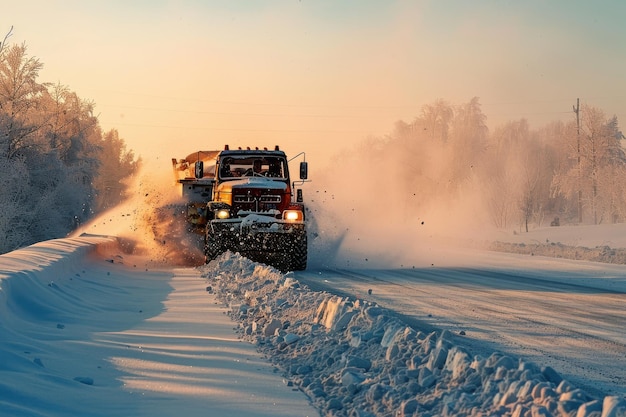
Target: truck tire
[(212, 247), (298, 253)]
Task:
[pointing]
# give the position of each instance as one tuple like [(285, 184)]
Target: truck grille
[(270, 199), (244, 198), (249, 198)]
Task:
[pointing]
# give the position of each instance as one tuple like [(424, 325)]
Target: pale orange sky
[(174, 77)]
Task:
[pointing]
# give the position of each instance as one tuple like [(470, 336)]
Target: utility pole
[(580, 191)]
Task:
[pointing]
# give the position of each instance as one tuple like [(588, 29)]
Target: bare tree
[(4, 41)]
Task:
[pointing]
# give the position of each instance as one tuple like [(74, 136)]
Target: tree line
[(57, 167), (571, 172)]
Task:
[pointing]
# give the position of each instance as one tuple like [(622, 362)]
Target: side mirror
[(299, 197), (304, 170), (199, 169)]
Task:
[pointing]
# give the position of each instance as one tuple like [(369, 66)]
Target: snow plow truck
[(244, 200)]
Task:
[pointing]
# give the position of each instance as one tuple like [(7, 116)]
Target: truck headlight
[(222, 214), (293, 215)]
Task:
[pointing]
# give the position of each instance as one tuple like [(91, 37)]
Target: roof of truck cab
[(251, 152)]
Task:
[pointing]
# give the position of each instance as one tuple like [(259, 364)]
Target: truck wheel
[(212, 248), (298, 253)]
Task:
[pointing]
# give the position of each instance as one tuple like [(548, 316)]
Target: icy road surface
[(569, 315)]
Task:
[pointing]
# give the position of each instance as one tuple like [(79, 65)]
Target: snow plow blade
[(284, 246)]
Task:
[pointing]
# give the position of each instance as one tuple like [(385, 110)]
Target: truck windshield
[(251, 166)]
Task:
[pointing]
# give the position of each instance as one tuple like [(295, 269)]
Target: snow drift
[(353, 358)]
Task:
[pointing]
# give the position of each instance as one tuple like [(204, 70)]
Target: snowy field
[(604, 243), (90, 330)]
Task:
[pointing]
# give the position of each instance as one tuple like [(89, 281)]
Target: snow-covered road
[(569, 315), (100, 332), (86, 330)]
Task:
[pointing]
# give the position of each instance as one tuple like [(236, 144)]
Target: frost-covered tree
[(20, 95), (605, 162), (468, 141), (518, 173), (535, 180), (565, 187), (502, 169), (116, 164), (14, 224), (73, 136), (52, 154), (602, 159), (591, 167), (436, 119)]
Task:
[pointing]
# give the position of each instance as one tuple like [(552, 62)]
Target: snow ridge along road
[(353, 357)]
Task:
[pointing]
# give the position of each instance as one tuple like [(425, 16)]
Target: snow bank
[(354, 358), (604, 243)]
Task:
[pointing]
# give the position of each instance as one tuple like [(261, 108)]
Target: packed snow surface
[(89, 330)]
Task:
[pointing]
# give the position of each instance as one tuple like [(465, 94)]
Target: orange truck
[(244, 200)]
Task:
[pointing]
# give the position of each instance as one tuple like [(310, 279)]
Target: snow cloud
[(152, 221), (375, 206)]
